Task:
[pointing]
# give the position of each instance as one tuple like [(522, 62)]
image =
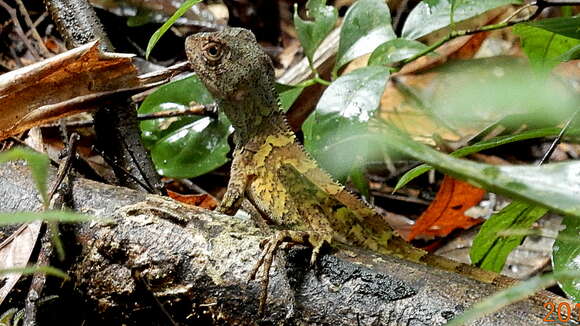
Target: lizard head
[(231, 64)]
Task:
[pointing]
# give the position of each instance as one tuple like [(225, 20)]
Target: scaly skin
[(272, 170)]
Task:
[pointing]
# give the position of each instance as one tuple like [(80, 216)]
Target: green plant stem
[(453, 35), (306, 83), (321, 81)]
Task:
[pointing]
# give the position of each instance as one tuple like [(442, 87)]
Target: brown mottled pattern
[(270, 167)]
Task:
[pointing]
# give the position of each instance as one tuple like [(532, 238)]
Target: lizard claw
[(271, 245)]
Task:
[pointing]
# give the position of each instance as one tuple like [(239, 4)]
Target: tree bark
[(149, 260)]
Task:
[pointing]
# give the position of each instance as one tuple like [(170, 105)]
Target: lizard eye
[(213, 52)]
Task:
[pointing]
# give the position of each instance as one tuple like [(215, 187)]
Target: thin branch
[(37, 22), (112, 163), (558, 139), (12, 12), (32, 27), (64, 166), (199, 109)]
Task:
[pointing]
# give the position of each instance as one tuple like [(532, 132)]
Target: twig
[(38, 281), (12, 12), (150, 188), (65, 165), (199, 109), (50, 239), (558, 139), (37, 22), (111, 162), (33, 30), (159, 303)]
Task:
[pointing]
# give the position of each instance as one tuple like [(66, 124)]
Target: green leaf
[(543, 47), (158, 33), (572, 54), (412, 174), (288, 94), (184, 147), (394, 51), (568, 26), (566, 256), (347, 104), (426, 18), (143, 16), (38, 164), (48, 270), (173, 96), (513, 294), (312, 33), (481, 146), (367, 24), (490, 251), (194, 149), (555, 186), (48, 216), (360, 182)]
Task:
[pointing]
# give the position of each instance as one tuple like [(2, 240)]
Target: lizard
[(272, 170)]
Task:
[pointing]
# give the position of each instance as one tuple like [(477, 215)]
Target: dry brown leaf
[(206, 201), (15, 252), (68, 83), (446, 212)]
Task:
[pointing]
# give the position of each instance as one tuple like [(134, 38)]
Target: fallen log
[(149, 260)]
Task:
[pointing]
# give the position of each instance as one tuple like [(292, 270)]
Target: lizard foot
[(269, 247)]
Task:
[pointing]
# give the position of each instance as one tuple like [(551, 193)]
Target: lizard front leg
[(270, 246), (240, 178)]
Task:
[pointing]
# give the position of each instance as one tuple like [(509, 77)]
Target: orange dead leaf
[(206, 201), (446, 212)]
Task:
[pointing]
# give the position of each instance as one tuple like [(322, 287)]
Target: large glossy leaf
[(184, 147), (544, 47), (426, 18), (346, 105), (194, 149), (312, 33), (395, 50), (490, 251), (367, 24), (173, 96), (566, 255), (555, 186)]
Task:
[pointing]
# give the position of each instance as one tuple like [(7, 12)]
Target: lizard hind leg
[(270, 246)]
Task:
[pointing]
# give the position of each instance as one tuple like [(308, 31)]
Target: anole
[(271, 169)]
